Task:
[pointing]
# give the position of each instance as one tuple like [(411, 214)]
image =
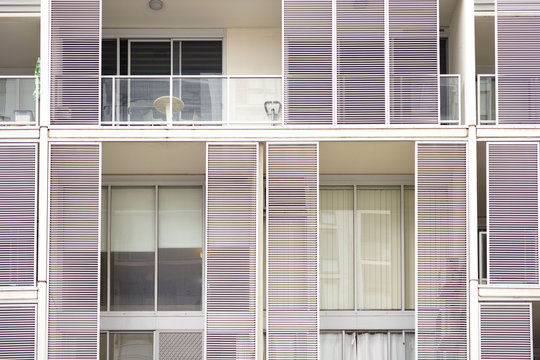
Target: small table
[(163, 105)]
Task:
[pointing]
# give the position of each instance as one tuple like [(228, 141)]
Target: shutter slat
[(231, 251), (505, 331), (73, 305), (18, 214), (292, 250), (442, 251), (18, 332), (414, 37), (307, 58), (75, 41), (513, 213)]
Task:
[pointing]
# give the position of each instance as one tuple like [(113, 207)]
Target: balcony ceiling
[(192, 14), (446, 11), (22, 42)]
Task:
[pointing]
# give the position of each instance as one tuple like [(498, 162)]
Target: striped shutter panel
[(180, 345), (512, 213), (518, 55), (231, 251), (414, 67), (73, 306), (307, 51), (360, 62), (505, 331), (442, 251), (18, 214), (75, 43), (18, 332), (292, 251)]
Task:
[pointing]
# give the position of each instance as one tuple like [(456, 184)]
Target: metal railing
[(450, 100), (487, 100), (19, 103), (191, 101)]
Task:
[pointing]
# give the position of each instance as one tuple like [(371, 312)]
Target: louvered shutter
[(505, 331), (231, 251), (518, 55), (292, 250), (73, 305), (441, 187), (414, 67), (180, 345), (512, 213), (307, 51), (18, 214), (18, 331), (75, 40), (360, 62)]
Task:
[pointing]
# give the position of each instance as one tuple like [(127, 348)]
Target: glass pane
[(180, 248), (409, 225), (108, 57), (202, 98), (256, 101), (336, 248), (202, 57), (409, 346), (17, 101), (131, 346), (135, 99), (151, 58), (132, 248), (372, 346), (449, 99), (331, 346), (487, 101), (103, 346), (378, 248), (103, 256), (397, 347), (106, 101)]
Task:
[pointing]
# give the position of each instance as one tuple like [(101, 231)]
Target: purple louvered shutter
[(18, 214), (505, 331), (442, 250), (512, 213), (73, 305), (292, 249), (360, 62), (231, 251), (18, 331), (75, 63), (414, 71), (307, 52), (518, 56)]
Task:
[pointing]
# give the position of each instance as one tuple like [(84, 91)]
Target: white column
[(474, 326)]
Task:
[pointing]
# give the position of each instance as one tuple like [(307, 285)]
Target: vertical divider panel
[(512, 178), (18, 184), (292, 251), (231, 251), (441, 257), (75, 61), (506, 331), (74, 231), (307, 57)]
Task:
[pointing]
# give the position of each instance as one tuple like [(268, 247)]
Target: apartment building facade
[(323, 179)]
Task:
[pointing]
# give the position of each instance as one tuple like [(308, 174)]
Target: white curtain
[(132, 219), (331, 346), (336, 248), (378, 216), (371, 346)]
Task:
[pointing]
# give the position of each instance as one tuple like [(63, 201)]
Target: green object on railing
[(37, 73)]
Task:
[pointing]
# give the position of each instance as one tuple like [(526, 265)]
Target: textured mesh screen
[(180, 345)]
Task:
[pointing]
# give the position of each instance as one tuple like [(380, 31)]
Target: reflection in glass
[(132, 248), (130, 346), (408, 199), (180, 249), (104, 248), (103, 346)]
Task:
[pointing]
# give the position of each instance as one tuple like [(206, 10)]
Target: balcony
[(450, 100), (18, 101), (487, 109), (249, 101)]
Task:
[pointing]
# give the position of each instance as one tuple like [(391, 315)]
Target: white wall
[(253, 51)]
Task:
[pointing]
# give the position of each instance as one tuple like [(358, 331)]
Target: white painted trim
[(184, 34), (150, 180), (367, 180)]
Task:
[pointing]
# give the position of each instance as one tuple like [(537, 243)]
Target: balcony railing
[(450, 100), (486, 97), (191, 101), (18, 101)]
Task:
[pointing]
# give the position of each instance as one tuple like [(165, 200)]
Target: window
[(126, 346), (366, 247), (151, 248), (367, 345)]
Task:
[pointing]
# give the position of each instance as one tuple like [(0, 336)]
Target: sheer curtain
[(336, 248), (378, 229), (371, 346), (331, 346)]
